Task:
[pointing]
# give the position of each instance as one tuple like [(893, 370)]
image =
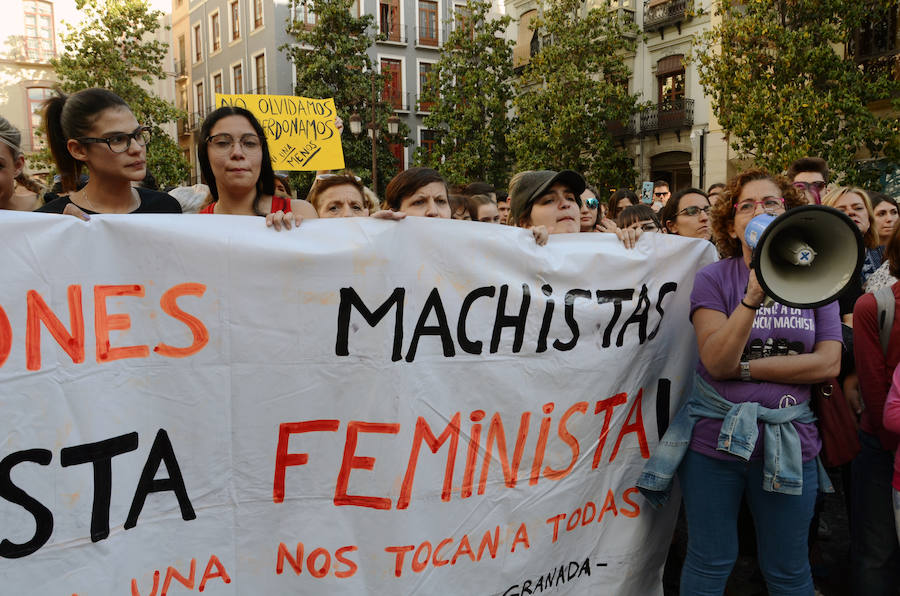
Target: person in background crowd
[(283, 186), (30, 191), (885, 210), (235, 163), (687, 214), (715, 192), (619, 200), (94, 128), (854, 202), (481, 188), (661, 195), (12, 165), (192, 198), (746, 357), (590, 209), (419, 192), (483, 208), (338, 195), (639, 217), (884, 213), (459, 207), (503, 206), (875, 552), (149, 182), (809, 174)]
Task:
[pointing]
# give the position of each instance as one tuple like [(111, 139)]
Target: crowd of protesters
[(842, 354)]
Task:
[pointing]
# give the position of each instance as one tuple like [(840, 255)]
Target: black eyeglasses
[(120, 143), (693, 211), (592, 203)]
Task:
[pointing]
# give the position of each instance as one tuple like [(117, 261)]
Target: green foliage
[(783, 84), (573, 87), (331, 61), (469, 95), (113, 48)]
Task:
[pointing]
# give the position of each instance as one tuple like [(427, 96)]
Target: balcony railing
[(670, 115), (398, 101), (180, 69), (622, 130), (423, 106), (424, 41), (660, 14), (393, 34)]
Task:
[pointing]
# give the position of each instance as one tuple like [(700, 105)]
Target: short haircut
[(458, 202), (479, 188), (330, 181), (714, 186), (658, 183), (808, 164), (407, 182), (635, 213), (476, 201)]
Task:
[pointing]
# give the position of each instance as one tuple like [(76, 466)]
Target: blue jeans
[(712, 490), (873, 545)]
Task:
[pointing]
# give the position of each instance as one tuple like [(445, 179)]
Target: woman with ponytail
[(95, 129), (236, 165)]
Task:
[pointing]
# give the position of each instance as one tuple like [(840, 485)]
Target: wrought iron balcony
[(670, 115), (621, 130), (659, 14)]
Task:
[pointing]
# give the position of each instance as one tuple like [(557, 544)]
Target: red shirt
[(875, 371), (278, 204)]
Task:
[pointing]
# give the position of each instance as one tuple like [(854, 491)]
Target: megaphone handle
[(768, 301)]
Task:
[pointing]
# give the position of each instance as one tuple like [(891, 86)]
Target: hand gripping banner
[(197, 403)]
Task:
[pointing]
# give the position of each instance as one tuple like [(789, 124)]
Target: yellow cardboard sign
[(301, 131)]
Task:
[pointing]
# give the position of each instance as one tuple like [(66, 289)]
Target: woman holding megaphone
[(747, 428)]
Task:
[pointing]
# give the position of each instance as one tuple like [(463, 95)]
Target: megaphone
[(805, 257)]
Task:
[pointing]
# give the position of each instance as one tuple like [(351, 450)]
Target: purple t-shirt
[(777, 330)]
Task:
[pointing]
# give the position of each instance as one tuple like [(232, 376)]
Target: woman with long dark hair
[(236, 165)]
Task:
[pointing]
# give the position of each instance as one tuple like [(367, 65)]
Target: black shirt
[(152, 201)]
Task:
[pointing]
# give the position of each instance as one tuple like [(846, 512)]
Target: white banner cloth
[(355, 407)]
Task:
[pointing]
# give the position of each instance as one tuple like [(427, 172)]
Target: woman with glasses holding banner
[(687, 214), (236, 165), (95, 128)]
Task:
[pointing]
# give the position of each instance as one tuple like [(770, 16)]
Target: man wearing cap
[(551, 200)]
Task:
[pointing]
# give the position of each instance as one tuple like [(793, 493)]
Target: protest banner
[(197, 403), (301, 131)]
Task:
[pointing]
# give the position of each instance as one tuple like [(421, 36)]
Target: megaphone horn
[(806, 257)]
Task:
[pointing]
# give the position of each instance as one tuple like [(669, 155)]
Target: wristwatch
[(745, 370)]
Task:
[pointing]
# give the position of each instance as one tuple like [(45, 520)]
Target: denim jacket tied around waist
[(783, 458)]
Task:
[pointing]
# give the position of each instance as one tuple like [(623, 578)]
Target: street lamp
[(393, 128)]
